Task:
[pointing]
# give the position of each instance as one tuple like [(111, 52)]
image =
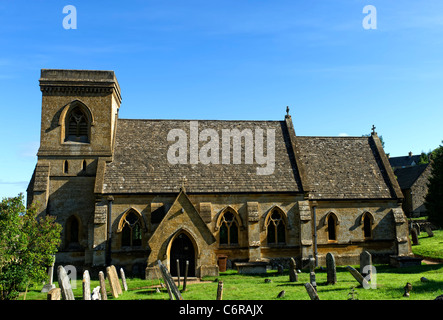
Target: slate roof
[(403, 161), (334, 167), (343, 167), (141, 165), (407, 176)]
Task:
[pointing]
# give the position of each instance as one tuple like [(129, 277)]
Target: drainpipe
[(314, 207), (108, 251)]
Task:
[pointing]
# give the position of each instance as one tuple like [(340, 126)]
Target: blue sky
[(232, 60)]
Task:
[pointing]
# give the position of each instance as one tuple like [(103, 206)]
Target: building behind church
[(121, 201)]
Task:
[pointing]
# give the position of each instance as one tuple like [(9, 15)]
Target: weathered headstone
[(366, 265), (112, 281), (408, 289), (170, 284), (331, 269), (119, 287), (47, 287), (96, 294), (280, 269), (54, 294), (429, 230), (414, 235), (101, 277), (312, 273), (63, 283), (357, 276), (311, 291), (86, 285), (293, 276), (220, 290), (122, 275)]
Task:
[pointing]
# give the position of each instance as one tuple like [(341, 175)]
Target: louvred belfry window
[(77, 126)]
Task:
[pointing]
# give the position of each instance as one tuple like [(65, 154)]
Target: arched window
[(77, 126), (84, 165), (131, 230), (332, 227), (228, 229), (276, 228), (367, 226)]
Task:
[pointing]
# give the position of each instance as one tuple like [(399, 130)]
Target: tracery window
[(131, 230), (228, 229), (276, 228)]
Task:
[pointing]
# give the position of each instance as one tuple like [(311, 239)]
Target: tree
[(27, 246), (434, 198)]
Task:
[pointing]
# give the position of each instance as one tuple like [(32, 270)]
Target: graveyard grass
[(389, 281)]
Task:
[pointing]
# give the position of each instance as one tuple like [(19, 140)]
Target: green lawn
[(389, 283), (429, 246)]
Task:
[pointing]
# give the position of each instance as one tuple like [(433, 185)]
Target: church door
[(182, 249)]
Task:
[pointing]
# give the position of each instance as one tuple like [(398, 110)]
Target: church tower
[(78, 126)]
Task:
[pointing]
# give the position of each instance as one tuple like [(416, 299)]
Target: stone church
[(128, 194)]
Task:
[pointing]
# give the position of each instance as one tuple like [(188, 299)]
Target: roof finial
[(287, 110), (373, 129)]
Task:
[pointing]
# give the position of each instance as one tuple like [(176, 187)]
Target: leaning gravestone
[(86, 285), (63, 283), (311, 291), (101, 277), (414, 235), (331, 269), (357, 276), (366, 264), (122, 275), (170, 284), (112, 281), (293, 276)]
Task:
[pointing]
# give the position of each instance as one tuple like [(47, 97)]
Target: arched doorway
[(182, 249)]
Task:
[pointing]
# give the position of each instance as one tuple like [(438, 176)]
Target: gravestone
[(101, 277), (280, 269), (293, 276), (311, 291), (312, 273), (118, 285), (86, 285), (112, 281), (429, 230), (47, 287), (408, 289), (170, 284), (96, 294), (331, 269), (54, 294), (122, 275), (220, 290), (63, 283), (366, 265), (357, 276), (414, 235)]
